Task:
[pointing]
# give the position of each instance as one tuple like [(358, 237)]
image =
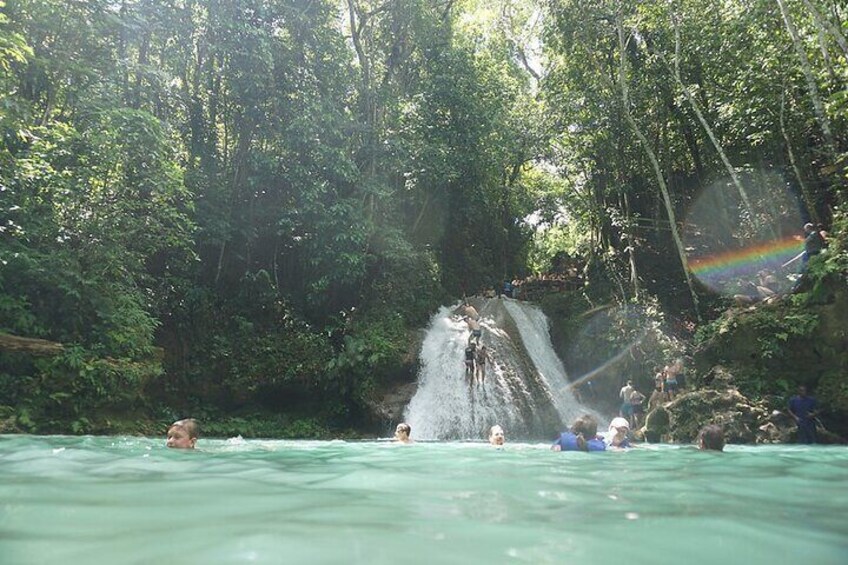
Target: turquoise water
[(85, 500)]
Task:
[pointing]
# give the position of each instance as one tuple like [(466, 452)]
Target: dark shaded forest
[(243, 210)]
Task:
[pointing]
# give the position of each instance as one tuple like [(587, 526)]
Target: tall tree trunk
[(669, 206), (239, 159), (358, 21), (707, 128), (631, 247), (813, 90), (805, 190), (122, 52), (143, 60), (825, 24)]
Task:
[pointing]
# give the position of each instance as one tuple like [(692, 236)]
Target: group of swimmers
[(583, 436)]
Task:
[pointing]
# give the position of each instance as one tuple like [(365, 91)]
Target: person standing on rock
[(636, 409), (624, 394), (671, 374), (813, 242), (803, 410)]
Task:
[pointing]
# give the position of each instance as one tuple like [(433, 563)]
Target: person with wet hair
[(182, 434), (496, 436), (583, 436), (711, 438), (402, 433)]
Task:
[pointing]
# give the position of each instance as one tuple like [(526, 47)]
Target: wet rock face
[(388, 410)]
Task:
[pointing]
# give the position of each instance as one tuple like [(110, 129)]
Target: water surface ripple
[(120, 500)]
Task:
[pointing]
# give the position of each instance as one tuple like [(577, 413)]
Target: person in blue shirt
[(507, 289), (803, 410), (583, 436)]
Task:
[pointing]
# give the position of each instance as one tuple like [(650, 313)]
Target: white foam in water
[(526, 389)]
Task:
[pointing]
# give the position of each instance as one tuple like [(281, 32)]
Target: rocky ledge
[(744, 421)]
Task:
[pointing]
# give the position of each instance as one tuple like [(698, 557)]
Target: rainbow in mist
[(719, 269)]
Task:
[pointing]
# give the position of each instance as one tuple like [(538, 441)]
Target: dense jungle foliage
[(241, 210)]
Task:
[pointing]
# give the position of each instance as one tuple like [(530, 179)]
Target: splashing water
[(526, 389)]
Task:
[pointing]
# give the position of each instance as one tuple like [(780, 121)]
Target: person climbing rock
[(481, 357), (476, 331), (470, 354)]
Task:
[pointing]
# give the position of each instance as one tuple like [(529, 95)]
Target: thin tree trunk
[(669, 206), (240, 157), (421, 213), (122, 52), (805, 190), (824, 23), (631, 247), (31, 346), (813, 90), (821, 35), (710, 133), (143, 60), (274, 265), (370, 111)]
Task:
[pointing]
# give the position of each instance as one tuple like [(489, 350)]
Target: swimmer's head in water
[(182, 434), (711, 438), (496, 435), (586, 426), (403, 431)]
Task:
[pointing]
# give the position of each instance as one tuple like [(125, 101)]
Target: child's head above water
[(182, 434)]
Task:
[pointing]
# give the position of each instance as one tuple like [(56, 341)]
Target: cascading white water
[(535, 335), (526, 388)]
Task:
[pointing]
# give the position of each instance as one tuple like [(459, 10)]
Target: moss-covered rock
[(771, 348), (718, 401), (657, 424), (8, 420), (728, 408)]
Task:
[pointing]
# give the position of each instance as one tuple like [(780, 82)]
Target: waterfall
[(526, 388)]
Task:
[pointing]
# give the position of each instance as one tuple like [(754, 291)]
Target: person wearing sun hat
[(617, 436)]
